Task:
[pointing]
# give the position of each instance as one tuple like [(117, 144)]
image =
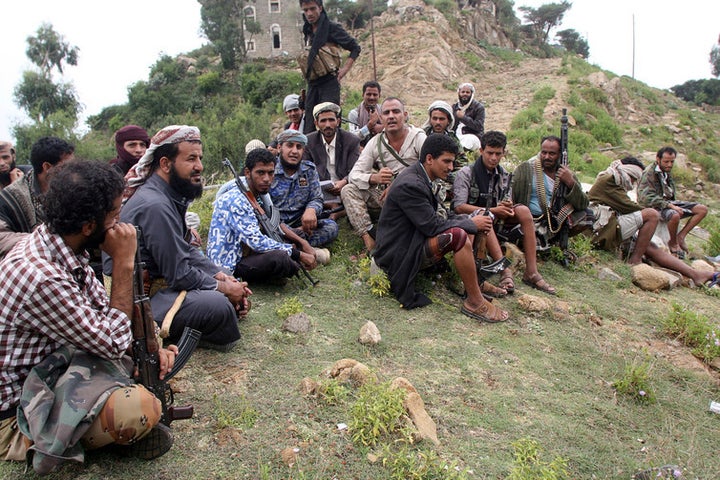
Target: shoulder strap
[(391, 150)]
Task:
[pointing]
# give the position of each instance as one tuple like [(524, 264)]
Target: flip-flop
[(678, 253), (487, 313), (539, 283), (714, 280)]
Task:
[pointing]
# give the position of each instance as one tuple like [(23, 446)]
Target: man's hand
[(16, 174), (566, 176), (308, 260), (309, 220), (483, 222), (167, 360), (503, 210), (459, 114), (337, 186), (120, 243), (235, 291), (383, 177), (374, 125)]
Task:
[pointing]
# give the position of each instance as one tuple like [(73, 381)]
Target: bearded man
[(9, 172), (181, 280), (469, 117)]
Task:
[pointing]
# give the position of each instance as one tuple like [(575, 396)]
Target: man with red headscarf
[(131, 142)]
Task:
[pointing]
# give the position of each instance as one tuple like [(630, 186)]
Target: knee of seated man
[(128, 415)]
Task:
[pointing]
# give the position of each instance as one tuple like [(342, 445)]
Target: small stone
[(369, 334), (608, 274), (297, 323), (532, 303)]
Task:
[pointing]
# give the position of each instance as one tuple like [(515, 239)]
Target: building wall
[(281, 23)]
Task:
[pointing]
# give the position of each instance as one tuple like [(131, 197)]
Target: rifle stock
[(262, 218), (146, 348)]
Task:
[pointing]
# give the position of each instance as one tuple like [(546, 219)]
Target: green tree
[(545, 18), (225, 23), (715, 59), (354, 14), (573, 42), (37, 93)]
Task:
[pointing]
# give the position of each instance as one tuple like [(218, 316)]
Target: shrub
[(528, 464), (378, 414), (290, 306)]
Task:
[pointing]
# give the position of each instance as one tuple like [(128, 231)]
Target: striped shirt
[(49, 297)]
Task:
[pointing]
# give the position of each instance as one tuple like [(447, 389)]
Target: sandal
[(680, 254), (506, 281), (487, 312), (537, 282), (714, 280), (493, 291)]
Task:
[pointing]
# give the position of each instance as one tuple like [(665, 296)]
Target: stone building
[(281, 23)]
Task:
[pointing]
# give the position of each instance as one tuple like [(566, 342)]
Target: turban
[(8, 145), (129, 132), (325, 107), (173, 134), (445, 107), (291, 135), (291, 102), (253, 144), (466, 85)]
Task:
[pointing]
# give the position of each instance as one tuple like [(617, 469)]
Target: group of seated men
[(269, 223)]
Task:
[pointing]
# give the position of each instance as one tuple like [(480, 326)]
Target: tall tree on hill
[(573, 42), (715, 58), (224, 23), (38, 94), (545, 18)]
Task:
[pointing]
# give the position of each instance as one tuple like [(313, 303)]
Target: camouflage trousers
[(357, 204)]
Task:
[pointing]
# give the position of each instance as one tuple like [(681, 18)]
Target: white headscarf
[(445, 107)]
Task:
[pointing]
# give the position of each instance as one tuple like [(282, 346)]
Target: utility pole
[(633, 46), (372, 37)]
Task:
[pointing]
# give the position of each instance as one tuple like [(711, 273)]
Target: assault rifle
[(146, 346), (558, 224), (265, 225), (486, 270)]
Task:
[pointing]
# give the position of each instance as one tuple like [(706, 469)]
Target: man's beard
[(96, 239), (183, 186), (464, 101), (5, 176), (287, 166)]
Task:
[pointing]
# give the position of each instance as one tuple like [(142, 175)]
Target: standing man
[(8, 168), (131, 142), (657, 190), (480, 185), (385, 155), (410, 239), (334, 152), (235, 240), (20, 207), (186, 288), (318, 32), (54, 314), (469, 117), (296, 192), (364, 120), (535, 185)]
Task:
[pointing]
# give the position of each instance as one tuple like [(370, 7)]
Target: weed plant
[(529, 464), (635, 383), (289, 307), (378, 415), (694, 330)]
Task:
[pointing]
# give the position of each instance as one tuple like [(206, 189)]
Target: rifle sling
[(389, 149), (566, 209)]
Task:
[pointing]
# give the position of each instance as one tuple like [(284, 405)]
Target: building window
[(274, 6), (275, 32), (250, 46), (249, 14)]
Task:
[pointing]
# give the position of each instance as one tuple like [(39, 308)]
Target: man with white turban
[(185, 287), (469, 117)]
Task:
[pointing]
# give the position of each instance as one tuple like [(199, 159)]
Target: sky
[(120, 41)]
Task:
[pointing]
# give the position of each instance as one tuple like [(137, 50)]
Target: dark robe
[(407, 220), (346, 153)]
